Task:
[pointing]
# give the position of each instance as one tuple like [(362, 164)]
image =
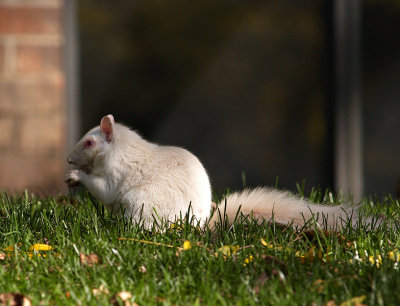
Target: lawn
[(94, 258)]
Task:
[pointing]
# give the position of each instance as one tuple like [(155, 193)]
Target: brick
[(7, 99), (41, 97), (42, 136), (32, 95), (7, 131), (2, 58), (32, 3), (38, 59), (39, 175), (30, 20)]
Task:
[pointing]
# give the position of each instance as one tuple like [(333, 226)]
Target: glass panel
[(381, 79), (245, 85)]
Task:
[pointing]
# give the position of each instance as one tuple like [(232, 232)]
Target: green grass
[(296, 267)]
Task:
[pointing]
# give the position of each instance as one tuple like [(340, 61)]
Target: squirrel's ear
[(106, 127)]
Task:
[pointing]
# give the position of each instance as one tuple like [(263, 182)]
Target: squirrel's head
[(92, 147)]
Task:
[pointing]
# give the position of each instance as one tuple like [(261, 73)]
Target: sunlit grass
[(95, 256)]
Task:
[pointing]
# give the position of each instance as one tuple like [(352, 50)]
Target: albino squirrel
[(144, 179)]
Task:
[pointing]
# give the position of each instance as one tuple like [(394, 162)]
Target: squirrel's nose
[(69, 160)]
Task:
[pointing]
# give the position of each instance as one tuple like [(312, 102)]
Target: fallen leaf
[(354, 301), (319, 285), (100, 290), (14, 299), (273, 261), (270, 245), (34, 250), (227, 250), (89, 260), (311, 234), (275, 267), (264, 242), (2, 256), (260, 282), (40, 247), (10, 248), (124, 297)]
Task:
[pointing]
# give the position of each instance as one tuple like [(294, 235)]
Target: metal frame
[(71, 73), (348, 126)]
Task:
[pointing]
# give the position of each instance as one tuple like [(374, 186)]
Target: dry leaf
[(319, 285), (160, 299), (124, 297), (14, 299), (227, 250), (2, 256), (142, 269), (100, 290), (270, 245), (311, 234), (40, 247), (354, 301), (260, 282), (273, 261), (10, 248), (90, 260)]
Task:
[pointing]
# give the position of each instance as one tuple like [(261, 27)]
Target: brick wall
[(32, 95)]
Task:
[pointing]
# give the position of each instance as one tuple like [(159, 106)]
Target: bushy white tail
[(281, 207)]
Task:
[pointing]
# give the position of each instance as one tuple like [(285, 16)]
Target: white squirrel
[(144, 179)]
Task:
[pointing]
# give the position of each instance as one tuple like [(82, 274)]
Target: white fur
[(126, 172), (141, 178), (281, 207)]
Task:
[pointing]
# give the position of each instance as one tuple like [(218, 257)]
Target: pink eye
[(88, 143)]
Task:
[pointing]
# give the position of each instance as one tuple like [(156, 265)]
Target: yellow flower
[(248, 260), (394, 256), (176, 227), (376, 261), (371, 259), (187, 245)]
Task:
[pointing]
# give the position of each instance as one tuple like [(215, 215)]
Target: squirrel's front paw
[(72, 177)]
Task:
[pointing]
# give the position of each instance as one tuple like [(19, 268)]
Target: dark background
[(248, 86)]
